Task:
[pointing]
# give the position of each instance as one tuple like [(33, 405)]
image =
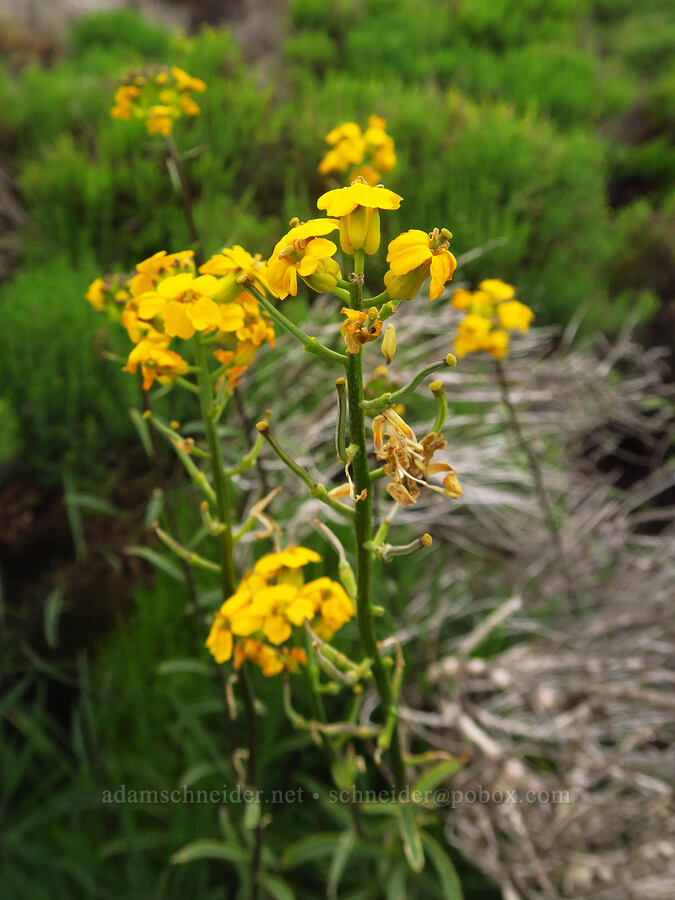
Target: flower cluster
[(271, 600), (408, 462), (167, 298), (491, 312), (366, 153), (159, 96)]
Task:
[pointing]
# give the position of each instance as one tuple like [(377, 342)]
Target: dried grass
[(580, 702)]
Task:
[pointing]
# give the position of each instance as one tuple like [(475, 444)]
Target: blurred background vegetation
[(541, 128)]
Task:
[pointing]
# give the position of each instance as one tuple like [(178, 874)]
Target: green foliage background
[(512, 120), (505, 117)]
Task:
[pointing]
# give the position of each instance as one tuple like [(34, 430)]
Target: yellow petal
[(443, 264), (175, 285), (204, 313), (176, 321), (276, 629), (321, 248), (207, 285), (149, 305)]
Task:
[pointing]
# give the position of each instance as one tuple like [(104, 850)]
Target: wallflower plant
[(198, 325)]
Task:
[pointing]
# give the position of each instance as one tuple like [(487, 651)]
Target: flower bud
[(325, 277), (389, 343), (405, 287), (360, 230)]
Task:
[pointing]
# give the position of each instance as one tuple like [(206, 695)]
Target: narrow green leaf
[(157, 560), (154, 508), (74, 517), (436, 775), (94, 504), (14, 694), (412, 845), (52, 614), (276, 887), (310, 848), (197, 772), (193, 666), (143, 430), (207, 848), (396, 885), (343, 851), (450, 883), (379, 808)]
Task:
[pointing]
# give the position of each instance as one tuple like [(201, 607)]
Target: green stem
[(315, 488), (220, 479), (375, 301), (189, 556), (341, 421), (436, 388), (310, 344), (196, 474), (389, 399), (316, 700), (363, 534)]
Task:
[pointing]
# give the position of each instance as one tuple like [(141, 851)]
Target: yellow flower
[(232, 264), (157, 98), (380, 144), (290, 558), (412, 257), (304, 251), (472, 332), (220, 641), (408, 461), (271, 660), (159, 119), (499, 290), (348, 148), (125, 95), (151, 270), (492, 313), (95, 294), (186, 305), (513, 314), (156, 361), (270, 601), (185, 82), (330, 602), (188, 105), (366, 155), (358, 209), (235, 262), (461, 299), (496, 343), (359, 329)]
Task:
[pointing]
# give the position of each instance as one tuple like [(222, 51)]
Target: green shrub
[(69, 402), (314, 49), (88, 181), (488, 173), (122, 28)]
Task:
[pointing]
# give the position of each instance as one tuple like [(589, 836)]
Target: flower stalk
[(363, 534), (392, 398)]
